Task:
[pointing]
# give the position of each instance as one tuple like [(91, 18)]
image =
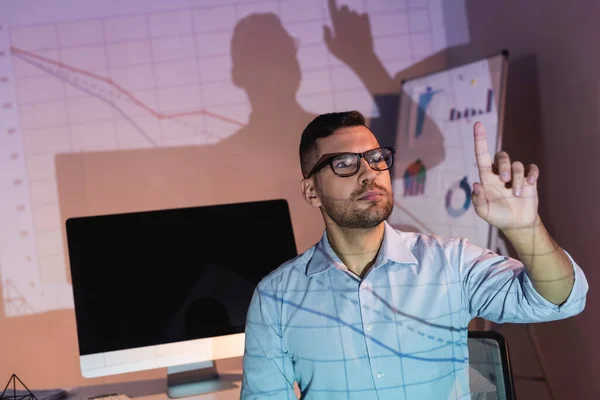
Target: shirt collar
[(392, 248)]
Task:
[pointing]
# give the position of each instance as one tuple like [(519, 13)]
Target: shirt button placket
[(363, 286), (365, 309)]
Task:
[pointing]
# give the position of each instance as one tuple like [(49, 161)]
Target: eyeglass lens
[(349, 164)]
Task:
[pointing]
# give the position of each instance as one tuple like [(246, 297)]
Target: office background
[(165, 89)]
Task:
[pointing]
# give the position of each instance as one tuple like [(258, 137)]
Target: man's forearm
[(546, 263)]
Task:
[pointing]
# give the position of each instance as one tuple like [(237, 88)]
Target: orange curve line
[(123, 91)]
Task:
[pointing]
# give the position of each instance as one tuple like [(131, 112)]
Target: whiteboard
[(435, 166)]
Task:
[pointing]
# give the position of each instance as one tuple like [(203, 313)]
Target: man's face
[(362, 200)]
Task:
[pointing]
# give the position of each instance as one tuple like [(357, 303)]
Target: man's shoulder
[(294, 268)]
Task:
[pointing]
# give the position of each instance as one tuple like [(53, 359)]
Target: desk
[(156, 389)]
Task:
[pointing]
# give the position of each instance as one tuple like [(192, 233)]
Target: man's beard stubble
[(347, 213)]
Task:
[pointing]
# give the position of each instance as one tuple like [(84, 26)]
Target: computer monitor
[(171, 288)]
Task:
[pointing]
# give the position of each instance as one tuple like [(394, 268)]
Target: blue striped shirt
[(398, 333)]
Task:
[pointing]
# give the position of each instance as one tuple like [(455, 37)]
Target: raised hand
[(507, 196), (351, 37), (351, 42)]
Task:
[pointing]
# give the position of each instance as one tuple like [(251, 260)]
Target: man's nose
[(366, 173)]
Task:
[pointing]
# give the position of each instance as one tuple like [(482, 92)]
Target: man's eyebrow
[(329, 155), (337, 153)]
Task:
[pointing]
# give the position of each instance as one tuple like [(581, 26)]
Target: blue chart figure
[(464, 186), (424, 101), (414, 179)]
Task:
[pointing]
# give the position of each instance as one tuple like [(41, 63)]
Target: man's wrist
[(531, 242)]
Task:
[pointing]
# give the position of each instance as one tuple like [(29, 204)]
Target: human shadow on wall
[(270, 75)]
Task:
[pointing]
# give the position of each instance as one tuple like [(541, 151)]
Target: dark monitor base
[(195, 379)]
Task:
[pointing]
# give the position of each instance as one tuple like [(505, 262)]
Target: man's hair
[(321, 127)]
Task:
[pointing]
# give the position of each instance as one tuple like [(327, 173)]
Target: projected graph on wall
[(151, 79)]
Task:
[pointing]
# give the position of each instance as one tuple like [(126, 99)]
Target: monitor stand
[(194, 379)]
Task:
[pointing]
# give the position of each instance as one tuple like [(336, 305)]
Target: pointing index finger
[(482, 155)]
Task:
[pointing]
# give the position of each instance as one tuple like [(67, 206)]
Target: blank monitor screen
[(157, 277)]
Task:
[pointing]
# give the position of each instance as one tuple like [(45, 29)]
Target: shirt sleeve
[(267, 367), (497, 288)]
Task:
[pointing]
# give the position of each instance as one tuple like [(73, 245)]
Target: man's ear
[(309, 192)]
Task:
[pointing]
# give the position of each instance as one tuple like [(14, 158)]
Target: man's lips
[(371, 195)]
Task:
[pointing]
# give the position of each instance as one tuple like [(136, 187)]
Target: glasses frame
[(327, 159)]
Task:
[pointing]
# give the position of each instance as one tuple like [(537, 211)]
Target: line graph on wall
[(150, 79)]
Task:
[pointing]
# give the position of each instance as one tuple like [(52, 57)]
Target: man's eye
[(376, 157), (345, 162)]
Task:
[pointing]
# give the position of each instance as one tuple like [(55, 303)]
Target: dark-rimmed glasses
[(348, 164)]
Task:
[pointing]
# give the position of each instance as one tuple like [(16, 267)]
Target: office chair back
[(490, 374)]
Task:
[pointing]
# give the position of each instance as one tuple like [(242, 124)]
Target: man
[(374, 313)]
